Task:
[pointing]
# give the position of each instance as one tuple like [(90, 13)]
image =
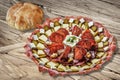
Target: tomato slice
[(87, 35), (79, 53), (76, 31)]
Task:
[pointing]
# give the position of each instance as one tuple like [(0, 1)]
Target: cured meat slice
[(55, 46), (87, 44), (87, 35), (76, 31), (63, 32), (56, 37), (79, 53)]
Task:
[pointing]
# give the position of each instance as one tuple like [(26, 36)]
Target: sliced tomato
[(55, 46), (79, 53), (87, 43), (56, 37), (76, 31), (87, 35)]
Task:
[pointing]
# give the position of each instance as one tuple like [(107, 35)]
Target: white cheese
[(48, 42), (66, 26), (100, 44), (48, 32), (42, 30), (45, 60), (90, 24), (56, 28), (106, 48), (61, 21), (100, 29), (97, 38), (36, 55), (35, 37), (40, 46), (51, 24), (85, 67), (40, 52), (43, 38), (32, 45), (52, 65), (82, 20), (100, 54), (71, 20), (105, 39)]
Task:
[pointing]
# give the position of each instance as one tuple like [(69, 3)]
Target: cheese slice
[(35, 37), (82, 20), (52, 65), (66, 26), (61, 21), (105, 39), (40, 52), (61, 68), (51, 24), (100, 44), (32, 45), (48, 32), (43, 38), (43, 61), (36, 55), (100, 29), (74, 68), (71, 20), (95, 61), (40, 46), (56, 28), (42, 30), (90, 23)]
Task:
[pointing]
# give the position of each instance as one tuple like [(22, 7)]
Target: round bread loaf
[(24, 16)]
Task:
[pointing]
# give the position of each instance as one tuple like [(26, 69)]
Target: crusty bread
[(24, 16)]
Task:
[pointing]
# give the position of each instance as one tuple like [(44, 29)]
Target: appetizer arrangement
[(70, 45)]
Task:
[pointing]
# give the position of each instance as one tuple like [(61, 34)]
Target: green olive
[(46, 28), (56, 23), (38, 34), (66, 21), (35, 42), (86, 25), (94, 28), (34, 51), (100, 49), (106, 43), (76, 21), (101, 36)]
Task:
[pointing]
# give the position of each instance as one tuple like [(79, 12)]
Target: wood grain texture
[(14, 65)]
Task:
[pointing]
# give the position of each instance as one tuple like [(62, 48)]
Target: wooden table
[(14, 65)]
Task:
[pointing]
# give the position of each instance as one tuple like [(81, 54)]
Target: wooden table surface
[(15, 65)]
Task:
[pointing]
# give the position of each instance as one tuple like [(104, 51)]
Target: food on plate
[(70, 45), (24, 16)]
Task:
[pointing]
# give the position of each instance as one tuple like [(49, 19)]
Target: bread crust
[(24, 16)]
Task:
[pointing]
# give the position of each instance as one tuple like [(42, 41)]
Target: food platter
[(70, 45)]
